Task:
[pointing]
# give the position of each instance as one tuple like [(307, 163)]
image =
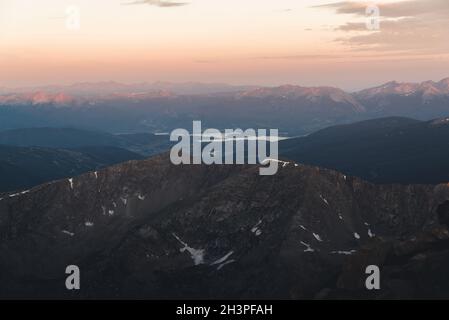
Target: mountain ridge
[(77, 90), (293, 109), (384, 150), (25, 167), (151, 229)]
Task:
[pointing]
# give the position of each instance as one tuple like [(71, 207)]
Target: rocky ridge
[(149, 229)]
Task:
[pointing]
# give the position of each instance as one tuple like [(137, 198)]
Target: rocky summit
[(149, 229)]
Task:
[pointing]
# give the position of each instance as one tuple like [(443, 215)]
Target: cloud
[(351, 56), (205, 61), (300, 57), (284, 10), (411, 25), (158, 3), (393, 9)]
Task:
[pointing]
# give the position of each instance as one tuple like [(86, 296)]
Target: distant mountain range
[(386, 150), (102, 90), (115, 107), (423, 101), (427, 89)]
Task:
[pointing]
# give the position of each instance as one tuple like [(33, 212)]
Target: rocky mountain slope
[(24, 167), (148, 229), (146, 144), (423, 101)]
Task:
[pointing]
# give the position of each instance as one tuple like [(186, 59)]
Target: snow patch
[(68, 233), (141, 197), (267, 160), (370, 234), (356, 235), (71, 183), (17, 194), (324, 200), (256, 230), (317, 236), (197, 255), (89, 224), (308, 247), (347, 253), (224, 264), (302, 227), (222, 259)]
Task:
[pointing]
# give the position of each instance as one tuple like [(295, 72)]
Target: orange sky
[(267, 42)]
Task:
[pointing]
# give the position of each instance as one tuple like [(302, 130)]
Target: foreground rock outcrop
[(149, 229)]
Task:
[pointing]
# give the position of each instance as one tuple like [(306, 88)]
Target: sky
[(259, 42)]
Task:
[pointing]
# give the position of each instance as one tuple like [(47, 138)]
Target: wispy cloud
[(392, 9), (158, 3), (353, 56), (284, 10), (404, 25), (300, 57)]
